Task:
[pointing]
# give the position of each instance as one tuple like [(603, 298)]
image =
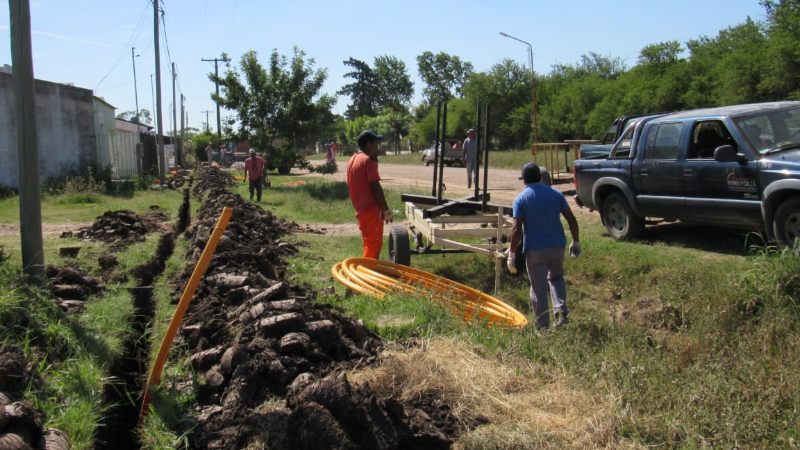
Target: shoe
[(560, 320)]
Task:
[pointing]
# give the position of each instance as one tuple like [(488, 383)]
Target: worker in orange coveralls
[(366, 193)]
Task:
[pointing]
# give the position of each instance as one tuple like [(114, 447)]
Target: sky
[(88, 42)]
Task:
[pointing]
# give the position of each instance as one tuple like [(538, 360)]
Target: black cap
[(368, 136), (531, 173)]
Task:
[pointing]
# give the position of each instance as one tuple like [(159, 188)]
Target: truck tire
[(427, 162), (786, 224), (399, 246), (618, 217)]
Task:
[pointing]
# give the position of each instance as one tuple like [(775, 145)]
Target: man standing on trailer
[(366, 193), (470, 156)]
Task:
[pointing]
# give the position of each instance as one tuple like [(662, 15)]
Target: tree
[(443, 74), (144, 116), (782, 58), (363, 91), (395, 87), (275, 107)]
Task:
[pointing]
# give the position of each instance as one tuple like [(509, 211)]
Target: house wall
[(65, 126)]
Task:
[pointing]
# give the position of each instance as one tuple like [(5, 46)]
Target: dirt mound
[(20, 423), (70, 287), (255, 338), (123, 227)]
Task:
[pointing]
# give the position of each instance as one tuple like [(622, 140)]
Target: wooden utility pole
[(162, 160), (30, 206), (216, 72)]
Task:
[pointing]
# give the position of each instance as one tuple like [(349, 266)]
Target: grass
[(686, 338)]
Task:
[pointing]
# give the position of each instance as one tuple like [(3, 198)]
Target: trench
[(122, 396)]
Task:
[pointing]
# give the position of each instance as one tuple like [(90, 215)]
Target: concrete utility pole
[(136, 94), (30, 206), (175, 144), (162, 160), (216, 72), (183, 126)]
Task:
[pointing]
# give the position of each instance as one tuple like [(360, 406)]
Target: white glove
[(387, 215), (511, 262), (575, 249)]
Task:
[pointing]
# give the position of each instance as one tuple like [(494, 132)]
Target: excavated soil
[(273, 363)]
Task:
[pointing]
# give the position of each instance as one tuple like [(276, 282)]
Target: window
[(662, 141)]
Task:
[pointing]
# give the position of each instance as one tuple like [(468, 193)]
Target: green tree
[(363, 91), (277, 108), (143, 117), (443, 74), (782, 59), (395, 88)]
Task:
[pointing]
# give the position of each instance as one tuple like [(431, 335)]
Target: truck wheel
[(618, 217), (399, 246), (786, 224), (448, 163), (427, 163)]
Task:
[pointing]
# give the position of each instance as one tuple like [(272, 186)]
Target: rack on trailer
[(466, 225)]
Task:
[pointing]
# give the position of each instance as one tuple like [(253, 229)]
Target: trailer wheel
[(399, 246), (786, 224), (618, 217)]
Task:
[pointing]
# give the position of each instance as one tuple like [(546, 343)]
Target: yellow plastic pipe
[(376, 278), (183, 305)]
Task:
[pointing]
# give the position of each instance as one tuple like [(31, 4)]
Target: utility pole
[(183, 125), (175, 147), (135, 92), (30, 206), (162, 160), (207, 125), (216, 73)]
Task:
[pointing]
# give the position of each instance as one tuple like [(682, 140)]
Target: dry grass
[(527, 405)]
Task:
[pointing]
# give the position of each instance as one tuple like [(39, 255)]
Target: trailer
[(466, 225)]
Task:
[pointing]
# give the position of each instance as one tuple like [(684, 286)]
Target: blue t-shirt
[(540, 208)]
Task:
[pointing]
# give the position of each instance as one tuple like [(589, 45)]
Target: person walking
[(536, 212), (255, 167), (366, 193), (470, 156), (209, 152)]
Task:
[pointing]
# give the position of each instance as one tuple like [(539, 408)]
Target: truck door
[(719, 192), (658, 177)]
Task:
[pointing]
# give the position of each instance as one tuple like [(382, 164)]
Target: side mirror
[(726, 153)]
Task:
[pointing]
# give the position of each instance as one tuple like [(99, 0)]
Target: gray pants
[(471, 168), (546, 267)]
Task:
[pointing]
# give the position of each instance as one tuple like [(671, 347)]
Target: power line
[(124, 52)]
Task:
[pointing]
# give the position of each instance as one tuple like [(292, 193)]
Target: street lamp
[(135, 90), (533, 86)]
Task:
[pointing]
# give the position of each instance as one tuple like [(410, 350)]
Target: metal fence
[(118, 152)]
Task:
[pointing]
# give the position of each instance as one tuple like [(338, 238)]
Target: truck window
[(622, 149), (706, 137), (662, 141)]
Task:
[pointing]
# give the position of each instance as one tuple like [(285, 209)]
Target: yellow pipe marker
[(183, 305)]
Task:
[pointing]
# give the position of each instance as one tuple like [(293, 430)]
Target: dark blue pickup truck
[(735, 166)]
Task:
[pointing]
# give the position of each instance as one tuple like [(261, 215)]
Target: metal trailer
[(454, 225)]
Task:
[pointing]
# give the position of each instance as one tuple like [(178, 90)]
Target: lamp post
[(533, 86), (135, 90)]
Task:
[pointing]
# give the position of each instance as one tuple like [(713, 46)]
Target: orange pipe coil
[(376, 278)]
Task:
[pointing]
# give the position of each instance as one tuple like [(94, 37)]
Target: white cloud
[(69, 39)]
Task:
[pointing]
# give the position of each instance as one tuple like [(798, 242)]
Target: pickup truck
[(736, 166), (451, 155), (618, 126)]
